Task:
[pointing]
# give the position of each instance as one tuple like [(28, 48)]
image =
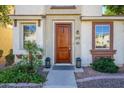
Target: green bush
[(20, 74), (1, 52), (106, 65), (32, 58), (27, 69)]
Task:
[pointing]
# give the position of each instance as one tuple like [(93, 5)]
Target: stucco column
[(39, 37), (16, 39), (77, 39)]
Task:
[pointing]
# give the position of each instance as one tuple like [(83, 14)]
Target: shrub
[(10, 58), (20, 74), (25, 68), (33, 55), (106, 65), (1, 53), (29, 64)]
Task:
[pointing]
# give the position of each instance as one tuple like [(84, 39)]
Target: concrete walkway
[(61, 79)]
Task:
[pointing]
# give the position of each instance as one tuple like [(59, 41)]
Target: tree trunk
[(30, 59)]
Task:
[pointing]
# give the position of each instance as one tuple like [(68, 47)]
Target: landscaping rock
[(88, 79), (2, 66), (102, 83), (89, 72), (21, 85)]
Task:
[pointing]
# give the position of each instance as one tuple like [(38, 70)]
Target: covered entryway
[(63, 44)]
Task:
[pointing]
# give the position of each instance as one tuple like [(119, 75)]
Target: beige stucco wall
[(30, 10), (86, 42), (84, 10), (91, 10), (18, 36), (49, 35), (63, 11), (119, 42), (46, 32), (46, 35)]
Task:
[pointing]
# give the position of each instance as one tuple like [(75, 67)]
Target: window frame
[(22, 30), (94, 35)]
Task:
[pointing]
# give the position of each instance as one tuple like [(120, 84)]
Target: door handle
[(69, 48)]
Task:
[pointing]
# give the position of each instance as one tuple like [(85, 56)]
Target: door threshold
[(63, 64)]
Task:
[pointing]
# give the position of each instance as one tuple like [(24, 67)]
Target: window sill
[(103, 53), (19, 51), (63, 7)]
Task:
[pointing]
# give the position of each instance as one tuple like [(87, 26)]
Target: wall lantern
[(77, 32), (47, 62), (15, 22), (78, 62)]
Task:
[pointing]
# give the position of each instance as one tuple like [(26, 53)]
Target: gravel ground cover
[(21, 85), (89, 72), (99, 83), (102, 83)]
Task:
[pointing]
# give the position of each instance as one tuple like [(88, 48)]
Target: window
[(102, 36), (102, 40), (29, 33)]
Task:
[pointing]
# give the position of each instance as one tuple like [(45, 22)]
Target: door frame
[(72, 42)]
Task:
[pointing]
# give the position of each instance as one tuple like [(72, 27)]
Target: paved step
[(61, 79)]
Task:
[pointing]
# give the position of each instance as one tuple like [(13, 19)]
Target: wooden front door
[(63, 43)]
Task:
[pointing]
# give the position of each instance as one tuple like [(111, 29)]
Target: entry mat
[(63, 68)]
